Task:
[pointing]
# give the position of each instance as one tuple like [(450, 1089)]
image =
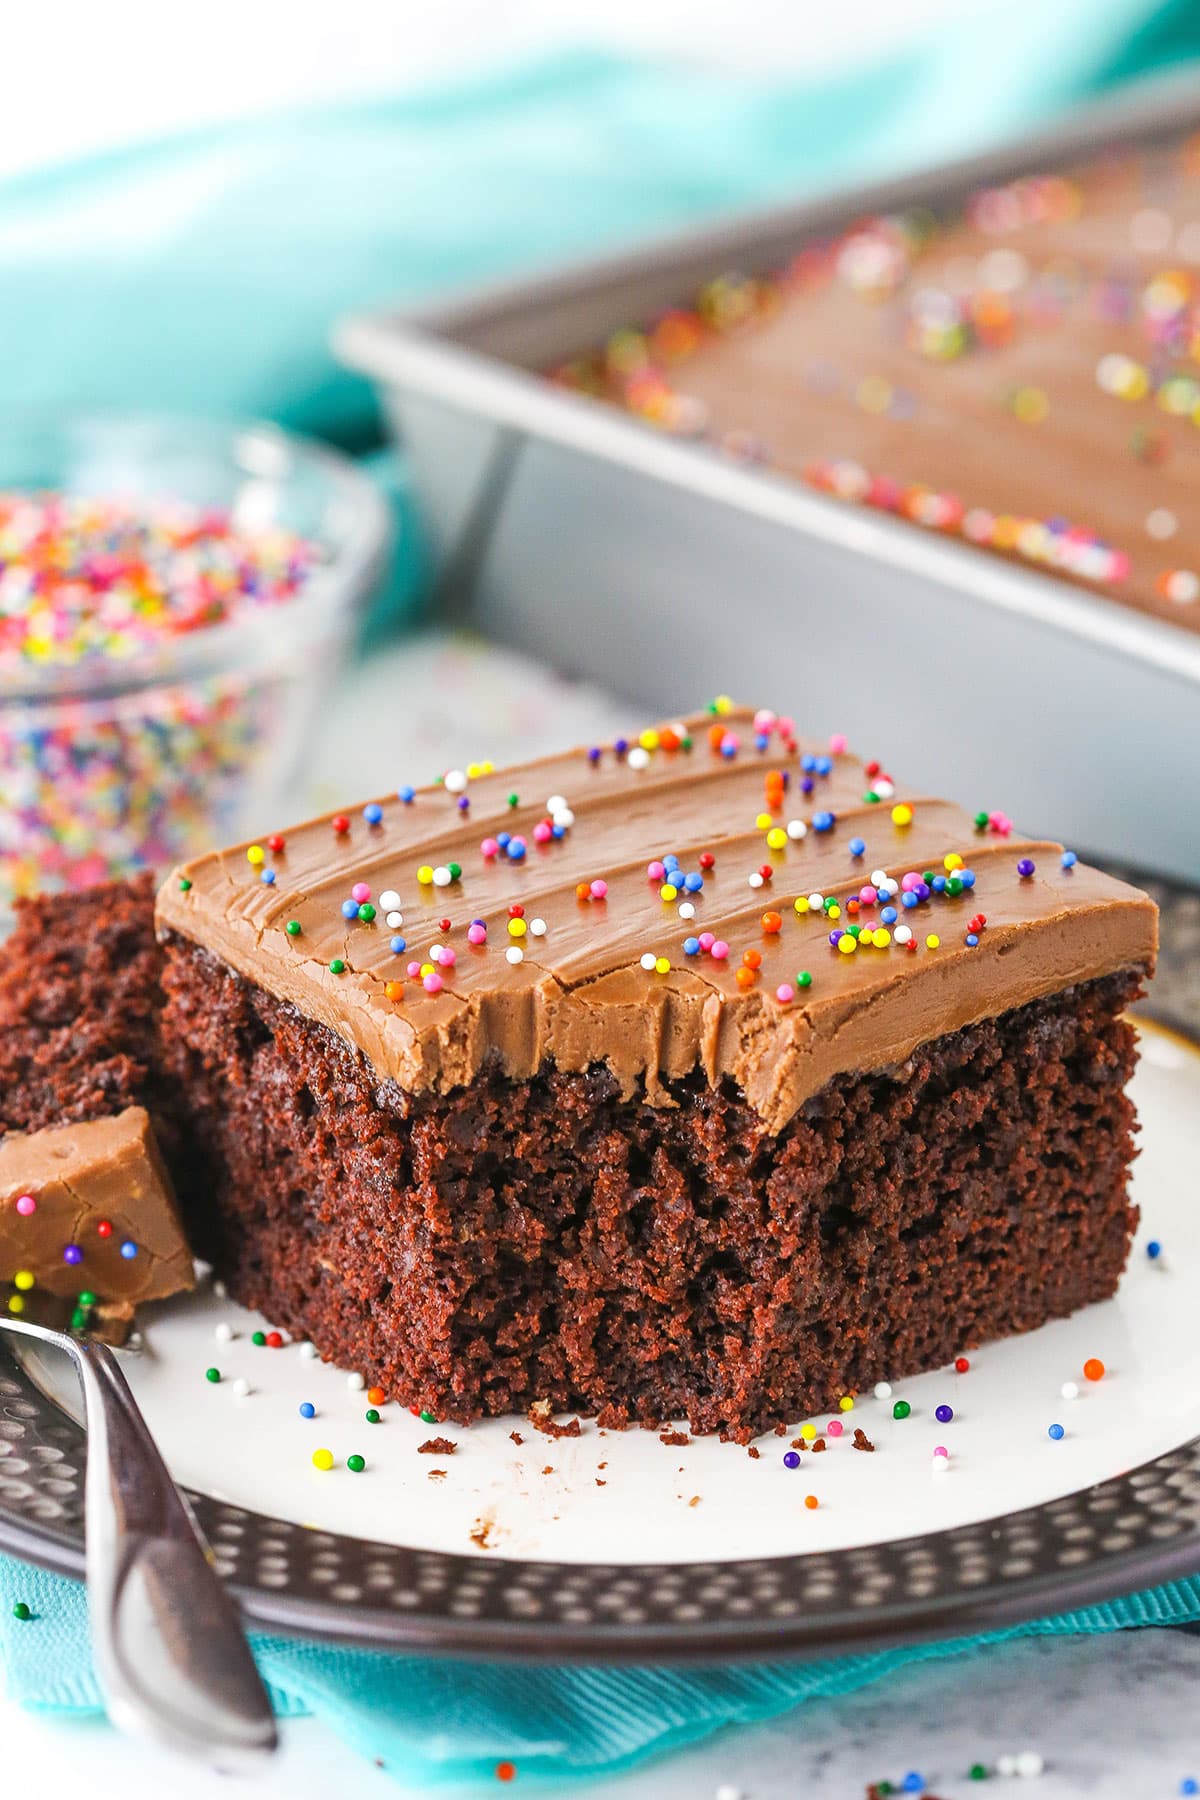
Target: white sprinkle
[(556, 804), (563, 816), (308, 1351), (940, 1464), (224, 1333), (220, 1290), (796, 829), (455, 781), (1006, 1764), (1070, 1390), (241, 1387), (435, 953), (883, 787), (638, 758), (878, 877), (355, 1382), (537, 927), (1161, 523), (389, 900), (442, 876), (1182, 586), (649, 960), (1031, 1762), (902, 934), (395, 920), (888, 887), (883, 1390), (755, 880), (134, 1341), (815, 902), (726, 1792), (686, 910), (514, 954)]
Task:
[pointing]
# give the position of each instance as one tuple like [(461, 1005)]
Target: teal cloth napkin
[(204, 274), (446, 1725)]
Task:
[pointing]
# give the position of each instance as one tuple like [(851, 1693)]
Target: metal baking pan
[(574, 531)]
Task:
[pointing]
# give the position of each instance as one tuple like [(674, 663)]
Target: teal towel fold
[(446, 1725)]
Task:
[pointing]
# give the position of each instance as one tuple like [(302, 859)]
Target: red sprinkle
[(443, 924), (274, 1340), (516, 912), (276, 842), (706, 859), (961, 1364), (340, 823), (104, 1229), (766, 871)]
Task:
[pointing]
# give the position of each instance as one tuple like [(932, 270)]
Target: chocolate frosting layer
[(580, 994)]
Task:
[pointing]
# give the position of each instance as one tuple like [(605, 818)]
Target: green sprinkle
[(293, 928), (86, 1299), (927, 874), (455, 871), (356, 1464), (366, 912), (428, 1417), (854, 930), (259, 1338), (977, 1772), (337, 966), (372, 1416), (184, 884), (212, 1374), (514, 799), (78, 1319), (804, 979), (871, 797), (22, 1611), (954, 885), (901, 1409), (981, 820), (685, 743)]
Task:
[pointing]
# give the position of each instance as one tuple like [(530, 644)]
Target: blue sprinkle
[(129, 1250), (761, 741), (938, 884), (808, 763), (1069, 859), (399, 945), (408, 795), (728, 750), (824, 821), (691, 946), (913, 1783), (967, 877), (857, 846), (373, 814), (307, 1410), (888, 915), (1056, 1432), (1189, 1785), (268, 877), (504, 839), (972, 940), (515, 849), (1154, 1249), (670, 860), (558, 831), (693, 882), (349, 909), (823, 765), (791, 1459), (908, 901)]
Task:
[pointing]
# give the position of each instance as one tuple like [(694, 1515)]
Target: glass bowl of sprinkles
[(174, 597)]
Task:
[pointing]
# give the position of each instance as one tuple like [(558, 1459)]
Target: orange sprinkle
[(394, 990), (811, 1501), (745, 978), (716, 736), (772, 922), (1093, 1368), (506, 1771), (752, 959), (376, 1396), (582, 891)]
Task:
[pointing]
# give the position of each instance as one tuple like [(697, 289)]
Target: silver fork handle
[(171, 1657)]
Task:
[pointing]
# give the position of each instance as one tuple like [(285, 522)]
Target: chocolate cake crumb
[(817, 1444), (753, 1451), (540, 1417), (549, 1469), (674, 1437), (437, 1474), (515, 1437), (439, 1446), (600, 1483), (861, 1440), (695, 1500), (483, 1534), (799, 1444)]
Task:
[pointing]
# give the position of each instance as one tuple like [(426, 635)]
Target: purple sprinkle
[(1025, 868), (72, 1254)]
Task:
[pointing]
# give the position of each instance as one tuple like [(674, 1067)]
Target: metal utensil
[(173, 1664)]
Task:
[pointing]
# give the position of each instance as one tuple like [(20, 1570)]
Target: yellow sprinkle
[(800, 904), (15, 1303), (425, 875), (764, 821), (834, 912), (322, 1459), (662, 966), (668, 891), (516, 928), (882, 938), (846, 1403), (902, 814), (847, 944), (1030, 405), (932, 941), (23, 1280), (808, 1433), (952, 862), (256, 855), (427, 969), (777, 838), (649, 740), (723, 704)]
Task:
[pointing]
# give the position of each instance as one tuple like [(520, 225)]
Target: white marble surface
[(1116, 1718)]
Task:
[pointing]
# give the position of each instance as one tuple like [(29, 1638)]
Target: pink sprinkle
[(448, 958), (1119, 565), (834, 1428), (26, 1205), (707, 940), (910, 881), (414, 969), (360, 892), (598, 890), (477, 934), (543, 831), (783, 993), (433, 983), (867, 895), (489, 847), (787, 727), (764, 720), (655, 871), (731, 743), (837, 745), (719, 949), (940, 1450)]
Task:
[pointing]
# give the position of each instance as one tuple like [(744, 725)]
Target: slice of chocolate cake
[(708, 1075)]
